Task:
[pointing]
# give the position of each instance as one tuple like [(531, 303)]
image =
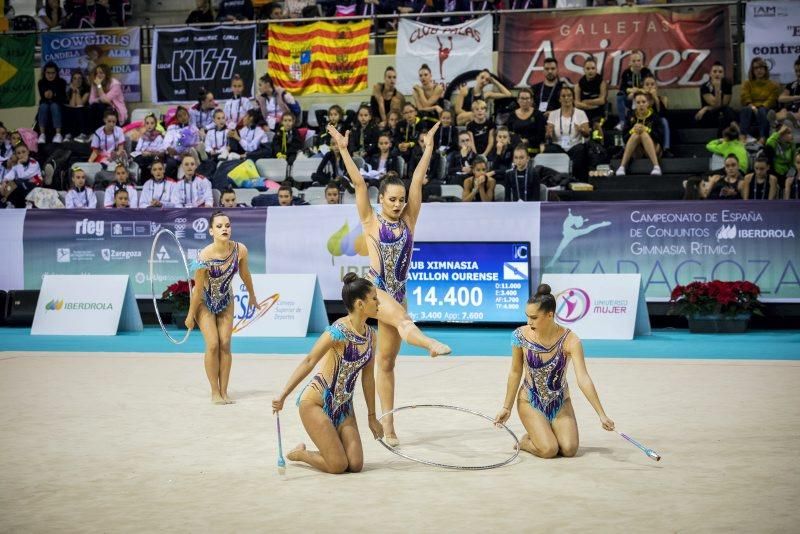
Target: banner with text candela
[(672, 243), (119, 49)]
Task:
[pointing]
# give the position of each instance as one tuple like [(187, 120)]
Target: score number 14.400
[(453, 296)]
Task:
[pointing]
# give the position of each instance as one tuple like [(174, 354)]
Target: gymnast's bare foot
[(525, 444), (227, 399), (217, 398), (295, 454), (438, 348)]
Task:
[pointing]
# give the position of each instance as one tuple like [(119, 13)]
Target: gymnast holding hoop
[(544, 349), (390, 242), (211, 302)]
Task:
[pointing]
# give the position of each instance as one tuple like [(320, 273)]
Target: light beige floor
[(111, 442)]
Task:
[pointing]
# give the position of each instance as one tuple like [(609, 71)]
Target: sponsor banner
[(119, 242), (291, 306), (85, 305), (447, 50), (118, 48), (322, 57), (16, 70), (334, 244), (189, 59), (671, 243), (679, 47), (596, 306), (772, 31)]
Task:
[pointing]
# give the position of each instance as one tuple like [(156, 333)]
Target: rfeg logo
[(572, 305)]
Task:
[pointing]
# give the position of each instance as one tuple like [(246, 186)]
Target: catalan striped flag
[(322, 57)]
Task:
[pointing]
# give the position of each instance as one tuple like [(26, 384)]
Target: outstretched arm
[(320, 348), (575, 351), (415, 189), (514, 376), (362, 196)]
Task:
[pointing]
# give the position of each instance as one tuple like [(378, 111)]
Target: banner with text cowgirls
[(772, 31), (119, 49), (673, 243), (447, 50), (119, 242), (679, 47), (191, 59)]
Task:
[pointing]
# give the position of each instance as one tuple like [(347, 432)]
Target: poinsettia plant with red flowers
[(178, 295), (716, 298)]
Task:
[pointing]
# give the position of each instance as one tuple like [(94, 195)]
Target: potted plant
[(716, 306), (177, 295)]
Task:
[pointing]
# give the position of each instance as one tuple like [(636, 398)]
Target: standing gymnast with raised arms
[(543, 349), (211, 302), (390, 241)]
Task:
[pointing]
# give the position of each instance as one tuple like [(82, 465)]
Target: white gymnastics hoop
[(450, 466), (152, 281)]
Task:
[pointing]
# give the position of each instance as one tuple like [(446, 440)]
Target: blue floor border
[(667, 343)]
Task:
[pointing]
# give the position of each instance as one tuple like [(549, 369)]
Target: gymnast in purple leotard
[(390, 238)]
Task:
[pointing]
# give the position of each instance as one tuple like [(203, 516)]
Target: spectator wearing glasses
[(528, 123), (759, 96)]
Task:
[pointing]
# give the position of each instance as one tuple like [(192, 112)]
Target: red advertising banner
[(679, 47)]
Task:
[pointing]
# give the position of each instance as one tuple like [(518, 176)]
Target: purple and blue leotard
[(545, 382), (218, 292), (394, 253)]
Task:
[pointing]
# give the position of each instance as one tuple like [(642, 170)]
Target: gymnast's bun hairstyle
[(544, 299), (217, 213), (354, 288)]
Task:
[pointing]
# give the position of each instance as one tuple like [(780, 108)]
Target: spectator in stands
[(106, 91), (501, 157), (591, 93), (285, 195), (790, 99), (696, 188), (22, 167), (51, 15), (782, 147), (527, 122), (52, 95), (330, 169), (546, 92), (203, 13), (80, 196), (480, 129), (322, 141), (332, 194), (91, 14), (108, 142), (760, 184), (275, 102), (480, 186), (381, 162), (791, 189), (729, 186), (715, 100), (364, 134), (759, 96), (121, 182), (659, 103), (631, 81), (13, 193), (392, 122), (467, 95), (202, 113), (251, 140), (76, 108), (228, 200), (447, 134), (459, 163), (182, 137), (236, 108), (730, 143), (428, 96), (193, 190), (121, 199), (216, 143), (643, 134), (522, 181), (157, 192), (6, 151), (233, 10), (408, 131), (149, 147), (287, 142), (386, 98), (567, 129)]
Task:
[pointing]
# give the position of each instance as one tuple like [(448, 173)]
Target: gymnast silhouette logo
[(444, 53), (572, 229), (572, 305)]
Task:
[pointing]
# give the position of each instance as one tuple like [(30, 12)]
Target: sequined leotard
[(335, 382), (545, 385), (394, 253), (218, 291)]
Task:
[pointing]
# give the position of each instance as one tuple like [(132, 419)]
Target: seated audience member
[(408, 131), (121, 182), (158, 190), (480, 129), (381, 162), (467, 95), (783, 148), (22, 167), (216, 144), (238, 105), (51, 16), (285, 195), (759, 96), (642, 133), (203, 13), (791, 186), (228, 200), (447, 135), (386, 98), (275, 102), (760, 184), (14, 192), (149, 147), (287, 142), (591, 93), (428, 97), (364, 134), (182, 138), (121, 199), (250, 141), (89, 14), (659, 104), (546, 92), (322, 141), (52, 96), (459, 164), (480, 186), (105, 91), (715, 100), (500, 158), (332, 194), (80, 196), (202, 112), (392, 123), (729, 186), (6, 150), (522, 180), (730, 143), (75, 120), (696, 188), (193, 190), (331, 169), (567, 129), (631, 82), (789, 99), (233, 10), (528, 123), (108, 142)]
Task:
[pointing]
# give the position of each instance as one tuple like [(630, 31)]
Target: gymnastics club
[(653, 455), (281, 461)]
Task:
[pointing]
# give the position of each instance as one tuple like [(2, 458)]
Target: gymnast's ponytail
[(544, 299), (354, 288)]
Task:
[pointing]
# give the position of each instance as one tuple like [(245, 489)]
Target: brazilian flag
[(16, 70)]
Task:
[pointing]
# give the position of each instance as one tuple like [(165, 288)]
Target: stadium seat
[(272, 169), (499, 192), (101, 197), (215, 193), (452, 190), (245, 196), (558, 162), (302, 169), (314, 195)]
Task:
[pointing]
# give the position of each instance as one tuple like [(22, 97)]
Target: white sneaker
[(68, 138), (620, 171), (42, 139), (656, 170), (58, 138)]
